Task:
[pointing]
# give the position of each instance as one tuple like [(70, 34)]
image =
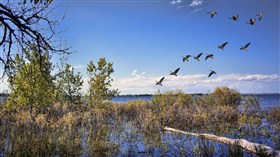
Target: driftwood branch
[(255, 148)]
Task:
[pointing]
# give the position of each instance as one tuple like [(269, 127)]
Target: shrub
[(273, 115), (226, 96)]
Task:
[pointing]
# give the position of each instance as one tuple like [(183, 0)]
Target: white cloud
[(134, 72), (78, 67), (196, 3), (196, 10), (200, 83), (143, 73), (175, 2), (179, 7)]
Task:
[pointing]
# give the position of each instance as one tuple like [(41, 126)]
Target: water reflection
[(126, 140)]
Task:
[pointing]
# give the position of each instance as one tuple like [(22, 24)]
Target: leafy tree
[(31, 82), (69, 85), (100, 81), (22, 23)]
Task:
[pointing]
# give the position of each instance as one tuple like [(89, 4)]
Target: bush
[(273, 115), (226, 96)]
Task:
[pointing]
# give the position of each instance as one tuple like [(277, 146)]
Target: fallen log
[(255, 148)]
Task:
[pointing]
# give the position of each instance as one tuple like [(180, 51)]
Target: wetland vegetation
[(136, 127)]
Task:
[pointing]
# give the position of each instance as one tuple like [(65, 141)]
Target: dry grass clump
[(44, 134), (210, 112), (216, 111)]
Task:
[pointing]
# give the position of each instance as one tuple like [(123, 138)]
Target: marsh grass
[(103, 130)]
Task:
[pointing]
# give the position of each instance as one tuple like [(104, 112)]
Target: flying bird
[(212, 13), (222, 46), (251, 22), (209, 56), (160, 81), (234, 17), (197, 57), (174, 72), (211, 73), (186, 58), (245, 47), (260, 15)]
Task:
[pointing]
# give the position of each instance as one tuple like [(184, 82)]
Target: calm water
[(265, 100)]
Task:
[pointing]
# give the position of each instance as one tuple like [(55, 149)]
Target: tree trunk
[(255, 148)]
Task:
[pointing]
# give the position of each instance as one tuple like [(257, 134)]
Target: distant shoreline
[(243, 94), (199, 94)]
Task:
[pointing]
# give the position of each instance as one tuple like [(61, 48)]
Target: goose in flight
[(251, 22), (222, 46), (197, 57), (245, 46), (234, 17), (260, 15), (212, 13), (160, 81), (209, 56), (186, 58), (174, 72), (211, 73)]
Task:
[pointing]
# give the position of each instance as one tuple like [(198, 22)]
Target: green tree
[(31, 82), (69, 85), (100, 82)]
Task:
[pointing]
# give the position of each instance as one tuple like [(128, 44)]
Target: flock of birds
[(252, 21)]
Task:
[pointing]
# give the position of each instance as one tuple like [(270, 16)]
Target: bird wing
[(161, 79), (176, 70), (247, 45), (199, 55), (224, 44), (211, 73), (260, 16)]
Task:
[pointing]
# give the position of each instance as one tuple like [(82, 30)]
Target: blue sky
[(145, 39)]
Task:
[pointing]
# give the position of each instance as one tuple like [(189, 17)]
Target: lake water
[(265, 100)]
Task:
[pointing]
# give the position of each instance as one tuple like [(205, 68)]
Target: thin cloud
[(196, 3), (175, 2), (78, 67), (134, 72), (196, 10)]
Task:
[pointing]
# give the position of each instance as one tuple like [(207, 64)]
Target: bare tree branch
[(23, 24)]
